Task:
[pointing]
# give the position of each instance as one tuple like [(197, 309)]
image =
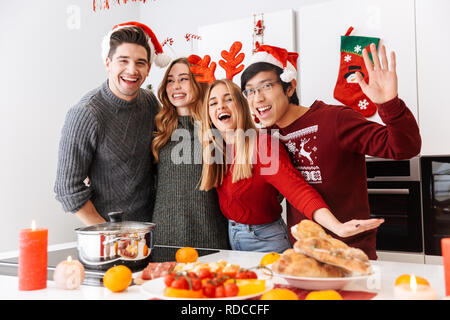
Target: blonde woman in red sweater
[(249, 169)]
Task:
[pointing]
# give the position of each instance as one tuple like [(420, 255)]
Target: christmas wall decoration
[(204, 69), (258, 31), (347, 89), (107, 4)]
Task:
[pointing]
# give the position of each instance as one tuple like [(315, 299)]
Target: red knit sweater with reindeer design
[(328, 145), (255, 200)]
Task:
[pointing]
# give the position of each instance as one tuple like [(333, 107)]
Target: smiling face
[(270, 106), (222, 109), (179, 87), (128, 68)]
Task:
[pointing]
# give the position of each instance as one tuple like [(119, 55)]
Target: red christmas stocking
[(347, 89)]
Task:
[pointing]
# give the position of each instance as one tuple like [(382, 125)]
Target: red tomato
[(241, 275), (230, 274), (204, 273), (220, 291), (209, 290), (231, 289), (196, 283), (168, 279), (246, 274), (180, 283)]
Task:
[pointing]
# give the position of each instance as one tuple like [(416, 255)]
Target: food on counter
[(249, 286), (313, 242), (269, 258), (324, 295), (350, 259), (219, 266), (279, 294), (186, 255), (306, 229), (309, 229), (118, 278), (207, 284), (155, 270), (299, 265)]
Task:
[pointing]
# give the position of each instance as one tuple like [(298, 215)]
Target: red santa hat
[(157, 55), (279, 57)]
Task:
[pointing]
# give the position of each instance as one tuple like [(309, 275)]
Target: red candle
[(445, 246), (33, 258)]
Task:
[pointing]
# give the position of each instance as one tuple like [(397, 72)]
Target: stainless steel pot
[(117, 242)]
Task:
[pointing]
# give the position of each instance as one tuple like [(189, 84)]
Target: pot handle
[(115, 216)]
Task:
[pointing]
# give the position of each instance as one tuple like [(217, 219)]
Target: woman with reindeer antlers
[(184, 215), (248, 168)]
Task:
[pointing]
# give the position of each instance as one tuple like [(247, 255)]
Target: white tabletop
[(381, 282)]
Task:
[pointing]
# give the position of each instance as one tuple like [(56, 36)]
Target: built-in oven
[(394, 195), (436, 201)]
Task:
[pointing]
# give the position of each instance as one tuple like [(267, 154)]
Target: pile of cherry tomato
[(212, 284)]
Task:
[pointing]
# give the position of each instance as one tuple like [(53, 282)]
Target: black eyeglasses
[(265, 87)]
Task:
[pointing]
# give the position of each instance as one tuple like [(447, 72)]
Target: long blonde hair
[(166, 121), (215, 160)]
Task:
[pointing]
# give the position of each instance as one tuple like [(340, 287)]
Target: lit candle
[(69, 274), (414, 291), (32, 271)]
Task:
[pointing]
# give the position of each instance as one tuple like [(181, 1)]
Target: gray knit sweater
[(184, 215), (108, 140)]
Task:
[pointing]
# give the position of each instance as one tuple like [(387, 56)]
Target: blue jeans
[(267, 237)]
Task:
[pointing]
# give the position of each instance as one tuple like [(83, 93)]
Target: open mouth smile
[(179, 96), (262, 111), (223, 116), (129, 80)]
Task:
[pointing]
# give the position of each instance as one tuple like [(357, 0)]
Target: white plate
[(155, 289), (309, 283)]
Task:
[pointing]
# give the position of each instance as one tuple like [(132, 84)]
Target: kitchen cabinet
[(433, 69)]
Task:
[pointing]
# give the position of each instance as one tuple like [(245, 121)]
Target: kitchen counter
[(382, 282)]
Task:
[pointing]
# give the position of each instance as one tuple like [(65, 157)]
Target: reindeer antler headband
[(204, 69)]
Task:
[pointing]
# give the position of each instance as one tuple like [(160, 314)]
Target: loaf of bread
[(297, 264)]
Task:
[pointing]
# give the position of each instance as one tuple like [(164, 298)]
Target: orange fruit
[(406, 278), (269, 258), (183, 293), (279, 294), (324, 295), (186, 255), (118, 278)]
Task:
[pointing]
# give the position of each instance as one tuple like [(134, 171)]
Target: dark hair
[(258, 67), (130, 34)]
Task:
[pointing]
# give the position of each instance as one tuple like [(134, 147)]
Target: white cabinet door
[(433, 72), (320, 26)]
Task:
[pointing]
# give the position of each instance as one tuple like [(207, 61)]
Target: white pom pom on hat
[(279, 57), (157, 54)]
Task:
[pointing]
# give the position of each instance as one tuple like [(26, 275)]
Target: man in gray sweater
[(107, 135)]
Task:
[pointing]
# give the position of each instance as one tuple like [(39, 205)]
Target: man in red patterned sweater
[(328, 143)]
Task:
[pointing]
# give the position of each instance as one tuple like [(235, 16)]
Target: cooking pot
[(104, 245)]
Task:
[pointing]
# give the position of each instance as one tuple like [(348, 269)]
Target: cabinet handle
[(388, 191)]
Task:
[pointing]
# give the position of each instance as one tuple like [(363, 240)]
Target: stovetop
[(9, 266)]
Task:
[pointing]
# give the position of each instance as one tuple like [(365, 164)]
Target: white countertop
[(381, 282)]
